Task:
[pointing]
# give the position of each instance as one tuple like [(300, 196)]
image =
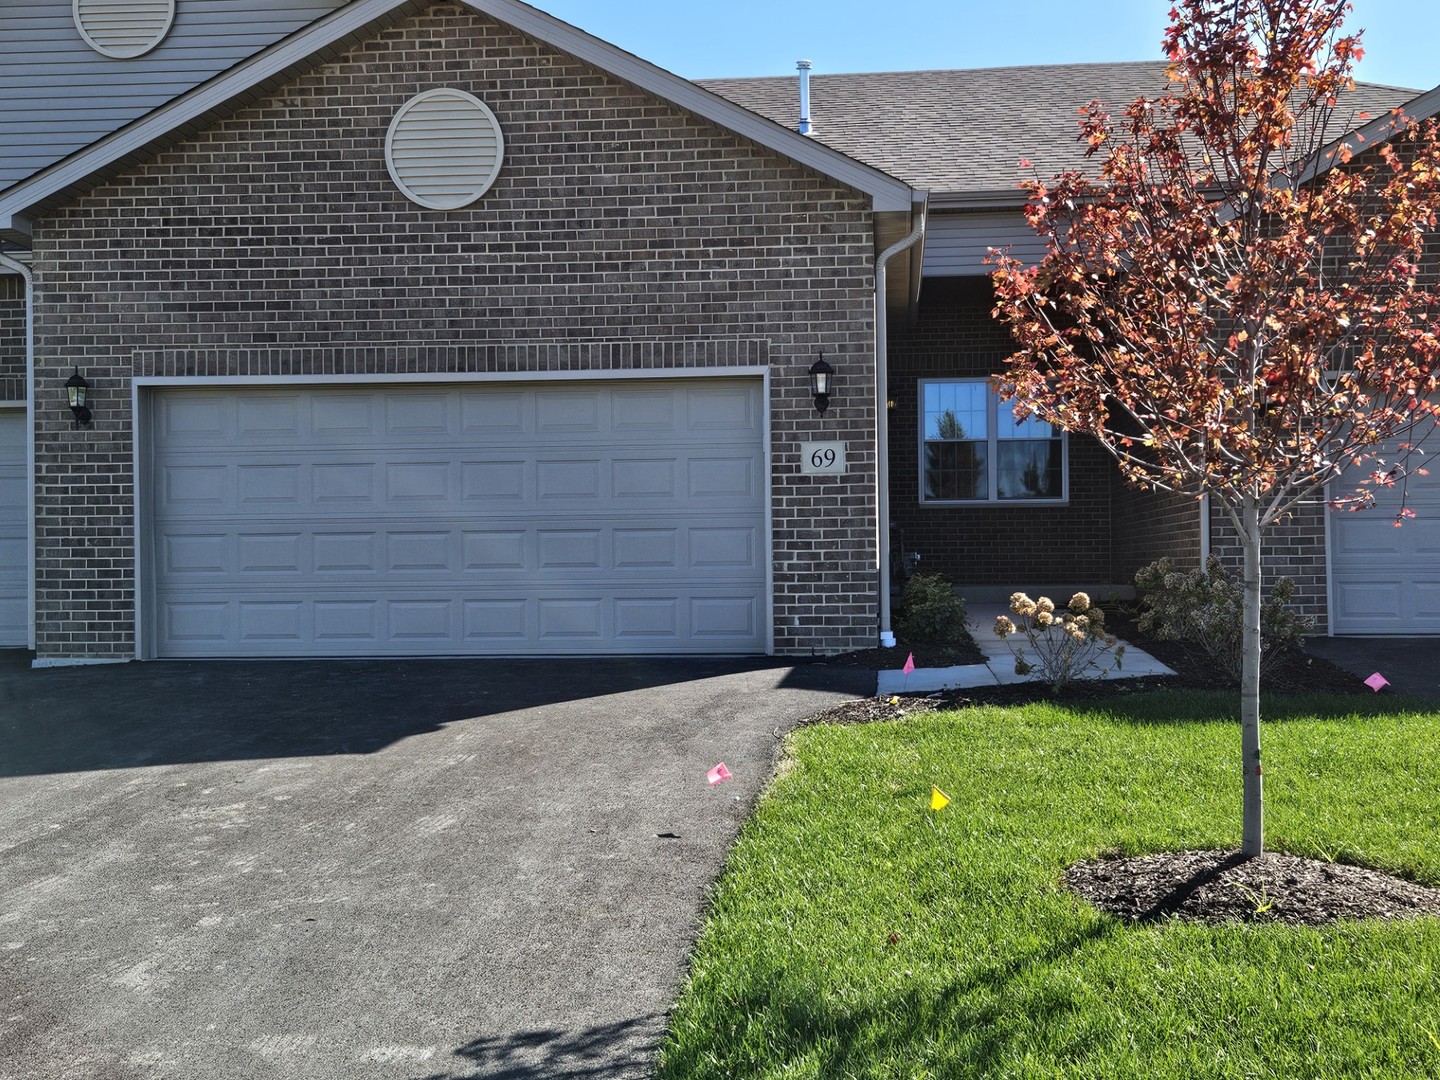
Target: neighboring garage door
[(579, 517), (1386, 580), (14, 626)]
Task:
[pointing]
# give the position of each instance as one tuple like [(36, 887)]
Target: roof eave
[(1375, 133), (989, 199)]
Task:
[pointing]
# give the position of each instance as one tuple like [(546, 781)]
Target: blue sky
[(766, 37)]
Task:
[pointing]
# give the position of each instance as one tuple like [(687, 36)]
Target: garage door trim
[(144, 395)]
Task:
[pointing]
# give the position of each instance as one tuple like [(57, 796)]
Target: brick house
[(445, 328)]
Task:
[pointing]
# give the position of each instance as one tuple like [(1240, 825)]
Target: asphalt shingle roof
[(966, 131)]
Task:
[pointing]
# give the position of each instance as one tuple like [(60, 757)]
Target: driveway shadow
[(554, 1053), (169, 712)]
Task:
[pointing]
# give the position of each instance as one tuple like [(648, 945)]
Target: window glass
[(974, 450), (955, 411), (956, 470), (1028, 470)]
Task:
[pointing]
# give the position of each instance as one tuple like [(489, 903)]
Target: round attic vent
[(443, 149), (123, 28)]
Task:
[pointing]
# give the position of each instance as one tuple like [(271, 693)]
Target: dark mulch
[(1224, 886), (1296, 673), (1292, 673), (963, 652)]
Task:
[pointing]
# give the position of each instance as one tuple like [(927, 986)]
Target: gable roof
[(359, 19), (58, 95), (963, 133)]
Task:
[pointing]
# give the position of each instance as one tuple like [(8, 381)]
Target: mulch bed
[(964, 652), (1293, 673), (1224, 886)]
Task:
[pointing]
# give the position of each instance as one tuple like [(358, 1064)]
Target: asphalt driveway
[(1411, 665), (417, 869)]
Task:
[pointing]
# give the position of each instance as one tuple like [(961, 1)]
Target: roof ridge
[(1076, 65)]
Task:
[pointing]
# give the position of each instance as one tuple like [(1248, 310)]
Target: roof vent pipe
[(803, 66)]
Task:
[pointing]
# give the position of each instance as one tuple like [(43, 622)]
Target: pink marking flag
[(909, 664), (718, 773), (1377, 682)]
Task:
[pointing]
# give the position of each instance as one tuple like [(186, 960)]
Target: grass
[(857, 934)]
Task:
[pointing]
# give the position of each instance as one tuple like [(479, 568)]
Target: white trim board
[(141, 403), (732, 370)]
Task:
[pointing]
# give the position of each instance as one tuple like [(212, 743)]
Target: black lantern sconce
[(76, 390), (822, 380)]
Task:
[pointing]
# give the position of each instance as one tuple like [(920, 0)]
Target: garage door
[(534, 519), (1387, 580), (14, 628)]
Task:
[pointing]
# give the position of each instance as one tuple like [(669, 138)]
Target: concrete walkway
[(401, 870), (999, 668)]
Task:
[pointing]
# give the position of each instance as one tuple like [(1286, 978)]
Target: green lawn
[(857, 934)]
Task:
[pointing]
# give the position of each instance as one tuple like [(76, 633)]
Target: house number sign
[(822, 458)]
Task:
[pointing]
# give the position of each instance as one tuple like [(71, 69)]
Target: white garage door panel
[(1384, 579), (14, 625), (410, 520)]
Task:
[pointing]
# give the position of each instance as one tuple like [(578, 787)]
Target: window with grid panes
[(973, 450)]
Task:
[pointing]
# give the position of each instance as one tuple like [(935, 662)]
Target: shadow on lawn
[(967, 1028), (1223, 706)]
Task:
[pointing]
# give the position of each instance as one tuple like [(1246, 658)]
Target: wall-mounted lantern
[(822, 378), (76, 390)]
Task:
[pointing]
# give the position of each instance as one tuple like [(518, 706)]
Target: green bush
[(1207, 608), (932, 613)]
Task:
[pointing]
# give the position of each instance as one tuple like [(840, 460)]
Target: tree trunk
[(1253, 835)]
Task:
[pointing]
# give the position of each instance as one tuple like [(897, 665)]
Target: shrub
[(1207, 608), (1064, 645), (933, 614)]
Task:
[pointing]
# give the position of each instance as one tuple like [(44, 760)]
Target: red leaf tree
[(1233, 300)]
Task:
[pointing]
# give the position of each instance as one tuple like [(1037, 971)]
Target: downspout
[(1204, 530), (24, 271), (882, 419)]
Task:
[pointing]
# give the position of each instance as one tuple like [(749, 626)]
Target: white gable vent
[(124, 28), (443, 149)]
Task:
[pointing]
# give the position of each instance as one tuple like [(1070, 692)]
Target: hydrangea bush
[(1207, 608), (1066, 645)]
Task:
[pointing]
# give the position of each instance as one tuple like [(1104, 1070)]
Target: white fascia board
[(886, 191), (1375, 133)]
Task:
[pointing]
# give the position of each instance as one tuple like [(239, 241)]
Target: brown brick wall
[(1293, 547), (620, 232), (1152, 525), (12, 337), (956, 337)]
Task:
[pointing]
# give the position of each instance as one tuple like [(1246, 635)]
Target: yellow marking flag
[(938, 799)]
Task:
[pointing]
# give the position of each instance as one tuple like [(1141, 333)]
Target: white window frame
[(992, 457)]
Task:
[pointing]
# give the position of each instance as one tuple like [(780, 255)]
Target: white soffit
[(444, 149), (123, 29)]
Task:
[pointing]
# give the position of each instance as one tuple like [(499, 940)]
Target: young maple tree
[(1233, 302)]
